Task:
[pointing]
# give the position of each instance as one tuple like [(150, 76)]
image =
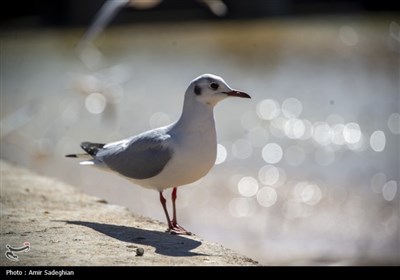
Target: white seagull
[(173, 155)]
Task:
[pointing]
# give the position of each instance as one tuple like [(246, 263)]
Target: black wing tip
[(71, 155), (85, 144), (91, 148)]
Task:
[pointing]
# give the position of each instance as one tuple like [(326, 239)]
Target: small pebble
[(139, 252)]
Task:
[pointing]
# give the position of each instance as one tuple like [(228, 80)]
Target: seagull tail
[(88, 158), (91, 148), (83, 156)]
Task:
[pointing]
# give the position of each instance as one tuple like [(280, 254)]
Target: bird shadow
[(165, 244)]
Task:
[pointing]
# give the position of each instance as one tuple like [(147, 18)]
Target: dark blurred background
[(78, 13)]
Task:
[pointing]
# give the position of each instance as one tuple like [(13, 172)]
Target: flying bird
[(112, 7), (173, 155)]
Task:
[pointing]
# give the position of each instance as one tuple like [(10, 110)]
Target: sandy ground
[(67, 227)]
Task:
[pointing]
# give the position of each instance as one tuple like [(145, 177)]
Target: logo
[(10, 253)]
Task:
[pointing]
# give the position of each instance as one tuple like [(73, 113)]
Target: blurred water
[(308, 169)]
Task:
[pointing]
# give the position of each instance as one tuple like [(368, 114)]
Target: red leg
[(163, 203), (173, 197), (176, 227)]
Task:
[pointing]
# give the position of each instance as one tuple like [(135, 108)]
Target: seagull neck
[(196, 115)]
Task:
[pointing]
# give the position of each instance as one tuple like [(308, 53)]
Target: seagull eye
[(214, 86)]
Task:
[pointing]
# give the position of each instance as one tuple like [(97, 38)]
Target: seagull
[(112, 7), (173, 155)]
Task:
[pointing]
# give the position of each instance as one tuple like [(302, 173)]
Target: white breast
[(195, 151)]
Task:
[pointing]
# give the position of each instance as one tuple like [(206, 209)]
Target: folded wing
[(140, 157)]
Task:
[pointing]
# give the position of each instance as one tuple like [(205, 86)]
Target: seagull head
[(210, 89)]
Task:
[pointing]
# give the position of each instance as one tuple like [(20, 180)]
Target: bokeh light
[(308, 130), (389, 190), (352, 133), (337, 134), (394, 123), (358, 146), (221, 154), (308, 193), (268, 175), (292, 108), (322, 133), (377, 141), (95, 103), (272, 153), (248, 186), (267, 196), (311, 194), (268, 109), (295, 129)]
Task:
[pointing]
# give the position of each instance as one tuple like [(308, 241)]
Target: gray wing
[(139, 157)]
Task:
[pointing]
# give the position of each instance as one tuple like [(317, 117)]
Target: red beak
[(237, 93)]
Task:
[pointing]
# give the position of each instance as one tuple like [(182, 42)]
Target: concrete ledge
[(66, 227)]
